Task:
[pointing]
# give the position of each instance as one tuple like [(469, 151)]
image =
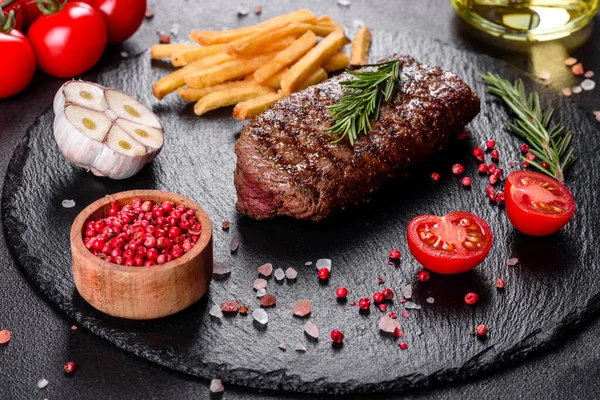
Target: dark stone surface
[(554, 272), (42, 340)]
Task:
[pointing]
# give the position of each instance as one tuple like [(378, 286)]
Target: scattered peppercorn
[(478, 153), (545, 165), (530, 156), (337, 336), (500, 198), (482, 168), (323, 274), (69, 367), (364, 303), (383, 307), (403, 345), (493, 179), (394, 254), (378, 297), (435, 176), (388, 293), (471, 298), (481, 330), (393, 315), (164, 39), (341, 292), (495, 154), (225, 225), (423, 276), (524, 148), (490, 144), (499, 283), (466, 181), (458, 169)]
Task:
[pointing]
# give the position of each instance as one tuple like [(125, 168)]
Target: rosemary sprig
[(549, 144), (362, 99)]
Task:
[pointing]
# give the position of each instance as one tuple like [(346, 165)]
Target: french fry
[(316, 77), (312, 60), (324, 18), (216, 37), (286, 57), (193, 94), (273, 81), (251, 108), (234, 69), (360, 46), (186, 56), (165, 50), (224, 98), (254, 44), (337, 62), (176, 79), (321, 30)]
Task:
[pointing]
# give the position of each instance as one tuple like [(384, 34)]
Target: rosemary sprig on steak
[(548, 143), (362, 99)]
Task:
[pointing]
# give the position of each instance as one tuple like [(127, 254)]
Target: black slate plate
[(553, 287)]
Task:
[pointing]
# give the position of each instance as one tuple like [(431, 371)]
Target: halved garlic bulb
[(104, 130)]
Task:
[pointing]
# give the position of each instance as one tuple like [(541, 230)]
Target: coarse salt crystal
[(291, 273), (512, 261), (311, 330), (124, 54), (221, 270), (388, 324), (430, 300), (407, 291), (412, 306), (260, 316), (243, 9), (235, 243), (216, 312), (589, 74), (279, 274), (588, 84), (567, 91), (216, 386), (577, 69), (597, 115), (324, 263), (577, 89), (74, 327), (308, 263), (68, 203), (260, 283), (4, 336), (261, 293), (344, 3), (265, 269), (283, 346), (300, 348), (42, 383)]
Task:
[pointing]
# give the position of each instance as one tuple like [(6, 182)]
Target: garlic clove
[(86, 95), (93, 124), (146, 135), (121, 142), (130, 109)]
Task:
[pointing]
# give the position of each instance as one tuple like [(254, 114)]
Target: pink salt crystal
[(388, 325), (283, 346), (74, 327), (512, 261), (569, 62), (577, 89), (231, 306), (291, 273), (405, 314), (401, 301), (216, 386), (577, 69), (260, 283), (597, 115), (268, 300), (544, 74), (567, 91), (311, 330), (302, 308), (588, 84), (589, 74), (265, 270), (4, 336)]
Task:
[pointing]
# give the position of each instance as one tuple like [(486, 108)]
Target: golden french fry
[(324, 18), (176, 79), (226, 98), (234, 69), (186, 56), (217, 37), (312, 60), (337, 62), (360, 46), (255, 44), (321, 30), (165, 50), (251, 108), (193, 94), (286, 57), (316, 77)]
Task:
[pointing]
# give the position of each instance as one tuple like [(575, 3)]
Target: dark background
[(42, 339)]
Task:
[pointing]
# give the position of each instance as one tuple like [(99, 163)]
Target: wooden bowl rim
[(78, 226)]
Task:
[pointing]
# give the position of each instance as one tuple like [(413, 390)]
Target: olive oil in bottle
[(528, 20)]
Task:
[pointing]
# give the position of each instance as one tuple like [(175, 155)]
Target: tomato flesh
[(454, 243), (536, 204)]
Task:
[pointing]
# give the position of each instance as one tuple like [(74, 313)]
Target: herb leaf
[(548, 143), (362, 99)]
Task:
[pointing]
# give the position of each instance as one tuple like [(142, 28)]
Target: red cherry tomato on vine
[(17, 61), (15, 6), (455, 243), (122, 17), (69, 42), (536, 204), (31, 12)]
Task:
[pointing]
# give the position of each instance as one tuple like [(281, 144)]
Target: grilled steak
[(288, 165)]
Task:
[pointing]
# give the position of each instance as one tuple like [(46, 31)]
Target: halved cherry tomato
[(455, 243), (536, 204)]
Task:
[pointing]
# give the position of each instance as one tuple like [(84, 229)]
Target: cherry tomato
[(17, 63), (455, 243), (122, 17), (70, 42), (536, 204), (15, 6), (31, 12)]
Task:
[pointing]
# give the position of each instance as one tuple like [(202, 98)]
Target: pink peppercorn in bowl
[(141, 292)]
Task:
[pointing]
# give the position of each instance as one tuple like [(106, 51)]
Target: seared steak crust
[(288, 165)]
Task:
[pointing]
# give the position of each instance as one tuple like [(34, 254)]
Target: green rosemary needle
[(362, 99), (549, 144)]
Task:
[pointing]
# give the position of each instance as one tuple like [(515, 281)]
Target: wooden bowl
[(141, 292)]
